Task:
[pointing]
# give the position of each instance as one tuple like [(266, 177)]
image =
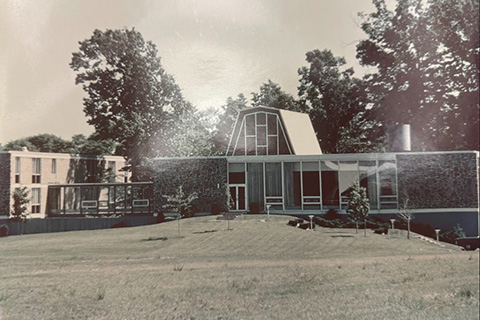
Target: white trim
[(231, 137)]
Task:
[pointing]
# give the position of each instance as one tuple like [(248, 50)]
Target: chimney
[(399, 138), (24, 149)]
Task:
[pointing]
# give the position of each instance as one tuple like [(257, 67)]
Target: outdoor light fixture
[(437, 231), (311, 222), (268, 211)]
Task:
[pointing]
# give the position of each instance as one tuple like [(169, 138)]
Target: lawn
[(257, 270)]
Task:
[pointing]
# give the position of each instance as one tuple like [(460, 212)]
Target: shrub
[(4, 230), (332, 214)]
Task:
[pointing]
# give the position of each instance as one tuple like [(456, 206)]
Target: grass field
[(258, 270)]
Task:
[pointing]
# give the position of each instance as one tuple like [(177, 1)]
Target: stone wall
[(5, 178), (447, 180), (207, 177)]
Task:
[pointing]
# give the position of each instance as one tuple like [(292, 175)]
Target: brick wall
[(206, 177), (5, 184), (447, 180)]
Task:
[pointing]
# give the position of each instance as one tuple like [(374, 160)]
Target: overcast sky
[(214, 49)]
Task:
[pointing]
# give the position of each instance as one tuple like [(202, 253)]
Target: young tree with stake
[(358, 205)]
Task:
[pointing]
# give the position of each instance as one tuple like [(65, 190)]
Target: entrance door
[(237, 193)]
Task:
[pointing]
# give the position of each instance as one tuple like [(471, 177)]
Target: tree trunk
[(408, 229), (365, 228)]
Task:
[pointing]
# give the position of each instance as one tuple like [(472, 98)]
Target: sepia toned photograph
[(257, 159)]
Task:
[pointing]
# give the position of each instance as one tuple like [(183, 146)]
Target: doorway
[(237, 194)]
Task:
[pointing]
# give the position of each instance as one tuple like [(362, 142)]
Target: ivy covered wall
[(207, 177)]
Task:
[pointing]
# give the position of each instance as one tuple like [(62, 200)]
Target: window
[(36, 170), (54, 166), (17, 169), (260, 133), (36, 200)]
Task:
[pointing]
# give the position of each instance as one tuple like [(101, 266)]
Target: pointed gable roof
[(271, 131)]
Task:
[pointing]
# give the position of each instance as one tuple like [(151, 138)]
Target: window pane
[(330, 198), (386, 173), (255, 186), (273, 176), (272, 124), (250, 122), (347, 176), (368, 180), (292, 197), (272, 146), (261, 118), (262, 136)]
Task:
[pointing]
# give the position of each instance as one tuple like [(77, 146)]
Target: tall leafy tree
[(131, 99), (272, 95), (226, 121), (40, 143), (332, 97), (426, 57)]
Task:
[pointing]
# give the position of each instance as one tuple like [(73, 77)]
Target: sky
[(214, 49)]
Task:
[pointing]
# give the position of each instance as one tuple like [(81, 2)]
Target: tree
[(331, 97), (131, 99), (426, 57), (92, 145), (405, 212), (226, 121), (181, 203), (192, 136), (40, 143), (20, 200), (358, 205), (272, 95)]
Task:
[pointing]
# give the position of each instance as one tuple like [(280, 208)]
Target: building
[(273, 162), (39, 171)]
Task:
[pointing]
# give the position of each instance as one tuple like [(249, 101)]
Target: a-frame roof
[(294, 129)]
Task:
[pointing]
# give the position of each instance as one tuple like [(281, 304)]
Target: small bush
[(4, 230), (332, 214)]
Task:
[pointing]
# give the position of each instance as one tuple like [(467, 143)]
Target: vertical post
[(437, 231), (311, 221), (268, 211)]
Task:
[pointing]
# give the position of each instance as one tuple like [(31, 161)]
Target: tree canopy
[(335, 101), (427, 62), (272, 95), (131, 99)]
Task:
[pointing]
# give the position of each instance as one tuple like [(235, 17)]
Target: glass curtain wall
[(311, 185), (348, 174), (293, 192), (388, 184), (273, 185), (330, 187), (255, 187), (367, 171)]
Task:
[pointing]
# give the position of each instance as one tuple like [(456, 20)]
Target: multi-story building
[(38, 170)]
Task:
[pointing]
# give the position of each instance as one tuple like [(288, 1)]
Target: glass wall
[(255, 187), (311, 186), (316, 185), (388, 184), (330, 187), (292, 189), (347, 175), (368, 179), (273, 185)]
